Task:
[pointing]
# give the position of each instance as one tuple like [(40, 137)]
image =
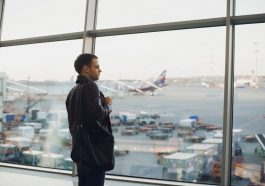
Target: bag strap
[(79, 114)]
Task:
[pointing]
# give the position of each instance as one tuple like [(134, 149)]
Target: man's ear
[(86, 68)]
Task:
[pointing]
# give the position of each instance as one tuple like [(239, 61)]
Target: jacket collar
[(82, 79)]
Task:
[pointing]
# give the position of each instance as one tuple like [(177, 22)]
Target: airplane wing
[(129, 86), (108, 88), (151, 84)]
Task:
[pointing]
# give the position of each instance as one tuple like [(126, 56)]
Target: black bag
[(94, 154)]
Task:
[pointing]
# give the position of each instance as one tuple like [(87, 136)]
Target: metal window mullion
[(90, 34), (90, 24), (88, 42), (42, 39), (228, 96), (201, 23), (2, 5), (248, 19)]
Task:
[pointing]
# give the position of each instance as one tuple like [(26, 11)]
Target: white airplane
[(148, 86)]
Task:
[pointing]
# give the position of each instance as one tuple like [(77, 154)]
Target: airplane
[(148, 86), (207, 84)]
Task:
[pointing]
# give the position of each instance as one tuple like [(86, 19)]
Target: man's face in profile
[(94, 70)]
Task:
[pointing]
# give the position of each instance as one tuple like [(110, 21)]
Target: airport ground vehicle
[(26, 131), (169, 125), (146, 119), (8, 152), (31, 157), (187, 123), (36, 125), (131, 130), (162, 151), (159, 130), (120, 152), (160, 133), (194, 139), (144, 129), (180, 164), (127, 118), (115, 120)]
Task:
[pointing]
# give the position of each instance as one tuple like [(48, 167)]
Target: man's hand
[(108, 100)]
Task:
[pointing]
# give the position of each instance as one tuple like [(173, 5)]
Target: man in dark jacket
[(86, 100)]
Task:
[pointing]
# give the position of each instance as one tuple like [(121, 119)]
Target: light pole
[(28, 100), (211, 68), (256, 51)]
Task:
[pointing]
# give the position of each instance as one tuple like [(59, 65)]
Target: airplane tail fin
[(160, 81)]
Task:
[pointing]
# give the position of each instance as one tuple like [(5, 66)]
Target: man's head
[(87, 65)]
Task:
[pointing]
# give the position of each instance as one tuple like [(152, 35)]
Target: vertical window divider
[(90, 24), (228, 96), (2, 4), (88, 41)]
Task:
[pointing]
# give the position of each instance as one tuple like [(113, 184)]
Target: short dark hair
[(82, 60)]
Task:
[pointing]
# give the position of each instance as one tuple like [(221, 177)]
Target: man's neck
[(85, 75)]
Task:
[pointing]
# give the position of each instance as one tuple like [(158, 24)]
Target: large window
[(244, 7), (121, 13), (249, 105), (31, 18), (36, 80), (168, 87), (166, 109)]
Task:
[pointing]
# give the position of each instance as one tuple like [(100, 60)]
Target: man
[(86, 100)]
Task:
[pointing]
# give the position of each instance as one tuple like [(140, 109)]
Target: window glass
[(120, 13), (35, 80), (167, 91), (249, 105), (244, 7), (31, 18)]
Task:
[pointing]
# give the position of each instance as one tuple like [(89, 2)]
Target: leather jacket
[(85, 106)]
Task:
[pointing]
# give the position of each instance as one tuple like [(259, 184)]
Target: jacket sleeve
[(96, 108)]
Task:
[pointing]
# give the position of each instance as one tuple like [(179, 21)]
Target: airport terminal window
[(167, 115), (36, 79), (152, 12), (248, 156), (244, 7), (31, 18), (167, 88)]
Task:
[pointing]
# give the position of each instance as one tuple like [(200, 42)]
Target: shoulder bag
[(93, 154)]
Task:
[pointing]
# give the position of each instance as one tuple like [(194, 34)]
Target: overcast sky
[(182, 53)]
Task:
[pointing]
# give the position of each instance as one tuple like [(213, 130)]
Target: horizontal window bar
[(248, 19), (203, 23), (108, 177), (152, 181), (43, 39), (159, 27)]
